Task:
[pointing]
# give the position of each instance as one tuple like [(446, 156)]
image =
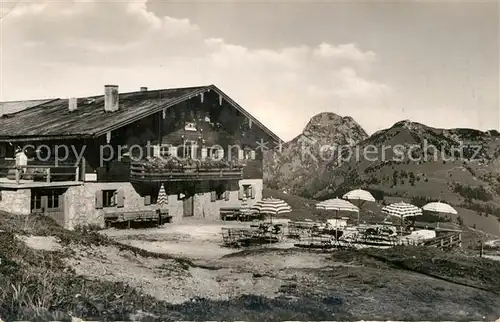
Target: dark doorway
[(49, 202)]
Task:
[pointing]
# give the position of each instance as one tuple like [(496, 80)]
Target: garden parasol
[(337, 205), (402, 210), (361, 196)]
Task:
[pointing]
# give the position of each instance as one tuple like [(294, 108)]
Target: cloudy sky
[(379, 62)]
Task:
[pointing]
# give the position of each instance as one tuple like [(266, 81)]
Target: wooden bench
[(229, 213), (159, 216), (164, 217)]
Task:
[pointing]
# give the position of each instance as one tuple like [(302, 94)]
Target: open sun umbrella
[(337, 205), (272, 206), (359, 196), (402, 210), (440, 207)]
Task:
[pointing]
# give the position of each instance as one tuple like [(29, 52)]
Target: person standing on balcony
[(21, 159)]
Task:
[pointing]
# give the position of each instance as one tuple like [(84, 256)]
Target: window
[(109, 198), (36, 201), (46, 200), (247, 191), (53, 200), (220, 193)]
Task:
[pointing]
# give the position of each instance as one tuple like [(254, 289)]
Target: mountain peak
[(331, 126)]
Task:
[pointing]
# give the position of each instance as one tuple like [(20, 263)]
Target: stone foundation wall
[(204, 208), (16, 201), (80, 204)]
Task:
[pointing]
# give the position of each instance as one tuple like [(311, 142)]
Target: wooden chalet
[(98, 159)]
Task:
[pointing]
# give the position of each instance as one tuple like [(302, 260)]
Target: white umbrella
[(337, 205), (361, 196), (402, 210), (440, 207)]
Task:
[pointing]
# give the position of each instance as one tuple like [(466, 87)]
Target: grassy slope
[(35, 285)]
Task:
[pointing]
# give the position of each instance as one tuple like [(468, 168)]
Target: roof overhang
[(102, 131), (44, 138), (181, 99)]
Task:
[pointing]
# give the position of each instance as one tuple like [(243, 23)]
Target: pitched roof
[(17, 106), (52, 119)]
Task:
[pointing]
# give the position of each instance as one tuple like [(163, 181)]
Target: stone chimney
[(72, 104), (111, 98), (144, 89)]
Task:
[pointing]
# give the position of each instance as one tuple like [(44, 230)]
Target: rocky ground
[(180, 272)]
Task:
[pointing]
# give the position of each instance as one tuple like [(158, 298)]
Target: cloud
[(56, 48)]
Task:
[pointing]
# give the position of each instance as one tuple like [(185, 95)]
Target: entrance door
[(48, 202), (188, 204)]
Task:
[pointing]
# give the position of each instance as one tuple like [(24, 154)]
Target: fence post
[(481, 248), (77, 174), (460, 240), (47, 171), (18, 176)]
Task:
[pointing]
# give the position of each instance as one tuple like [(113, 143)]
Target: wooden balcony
[(139, 171), (33, 176)]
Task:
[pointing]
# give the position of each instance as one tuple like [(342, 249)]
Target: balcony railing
[(149, 172), (38, 173)]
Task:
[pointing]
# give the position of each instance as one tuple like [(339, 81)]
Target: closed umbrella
[(360, 196), (402, 210), (162, 196), (245, 209)]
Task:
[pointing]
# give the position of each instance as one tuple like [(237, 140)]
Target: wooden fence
[(41, 173), (446, 241)]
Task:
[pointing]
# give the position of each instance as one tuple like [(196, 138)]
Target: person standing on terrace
[(21, 159)]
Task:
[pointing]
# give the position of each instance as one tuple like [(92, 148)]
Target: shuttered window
[(120, 198), (98, 200)]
